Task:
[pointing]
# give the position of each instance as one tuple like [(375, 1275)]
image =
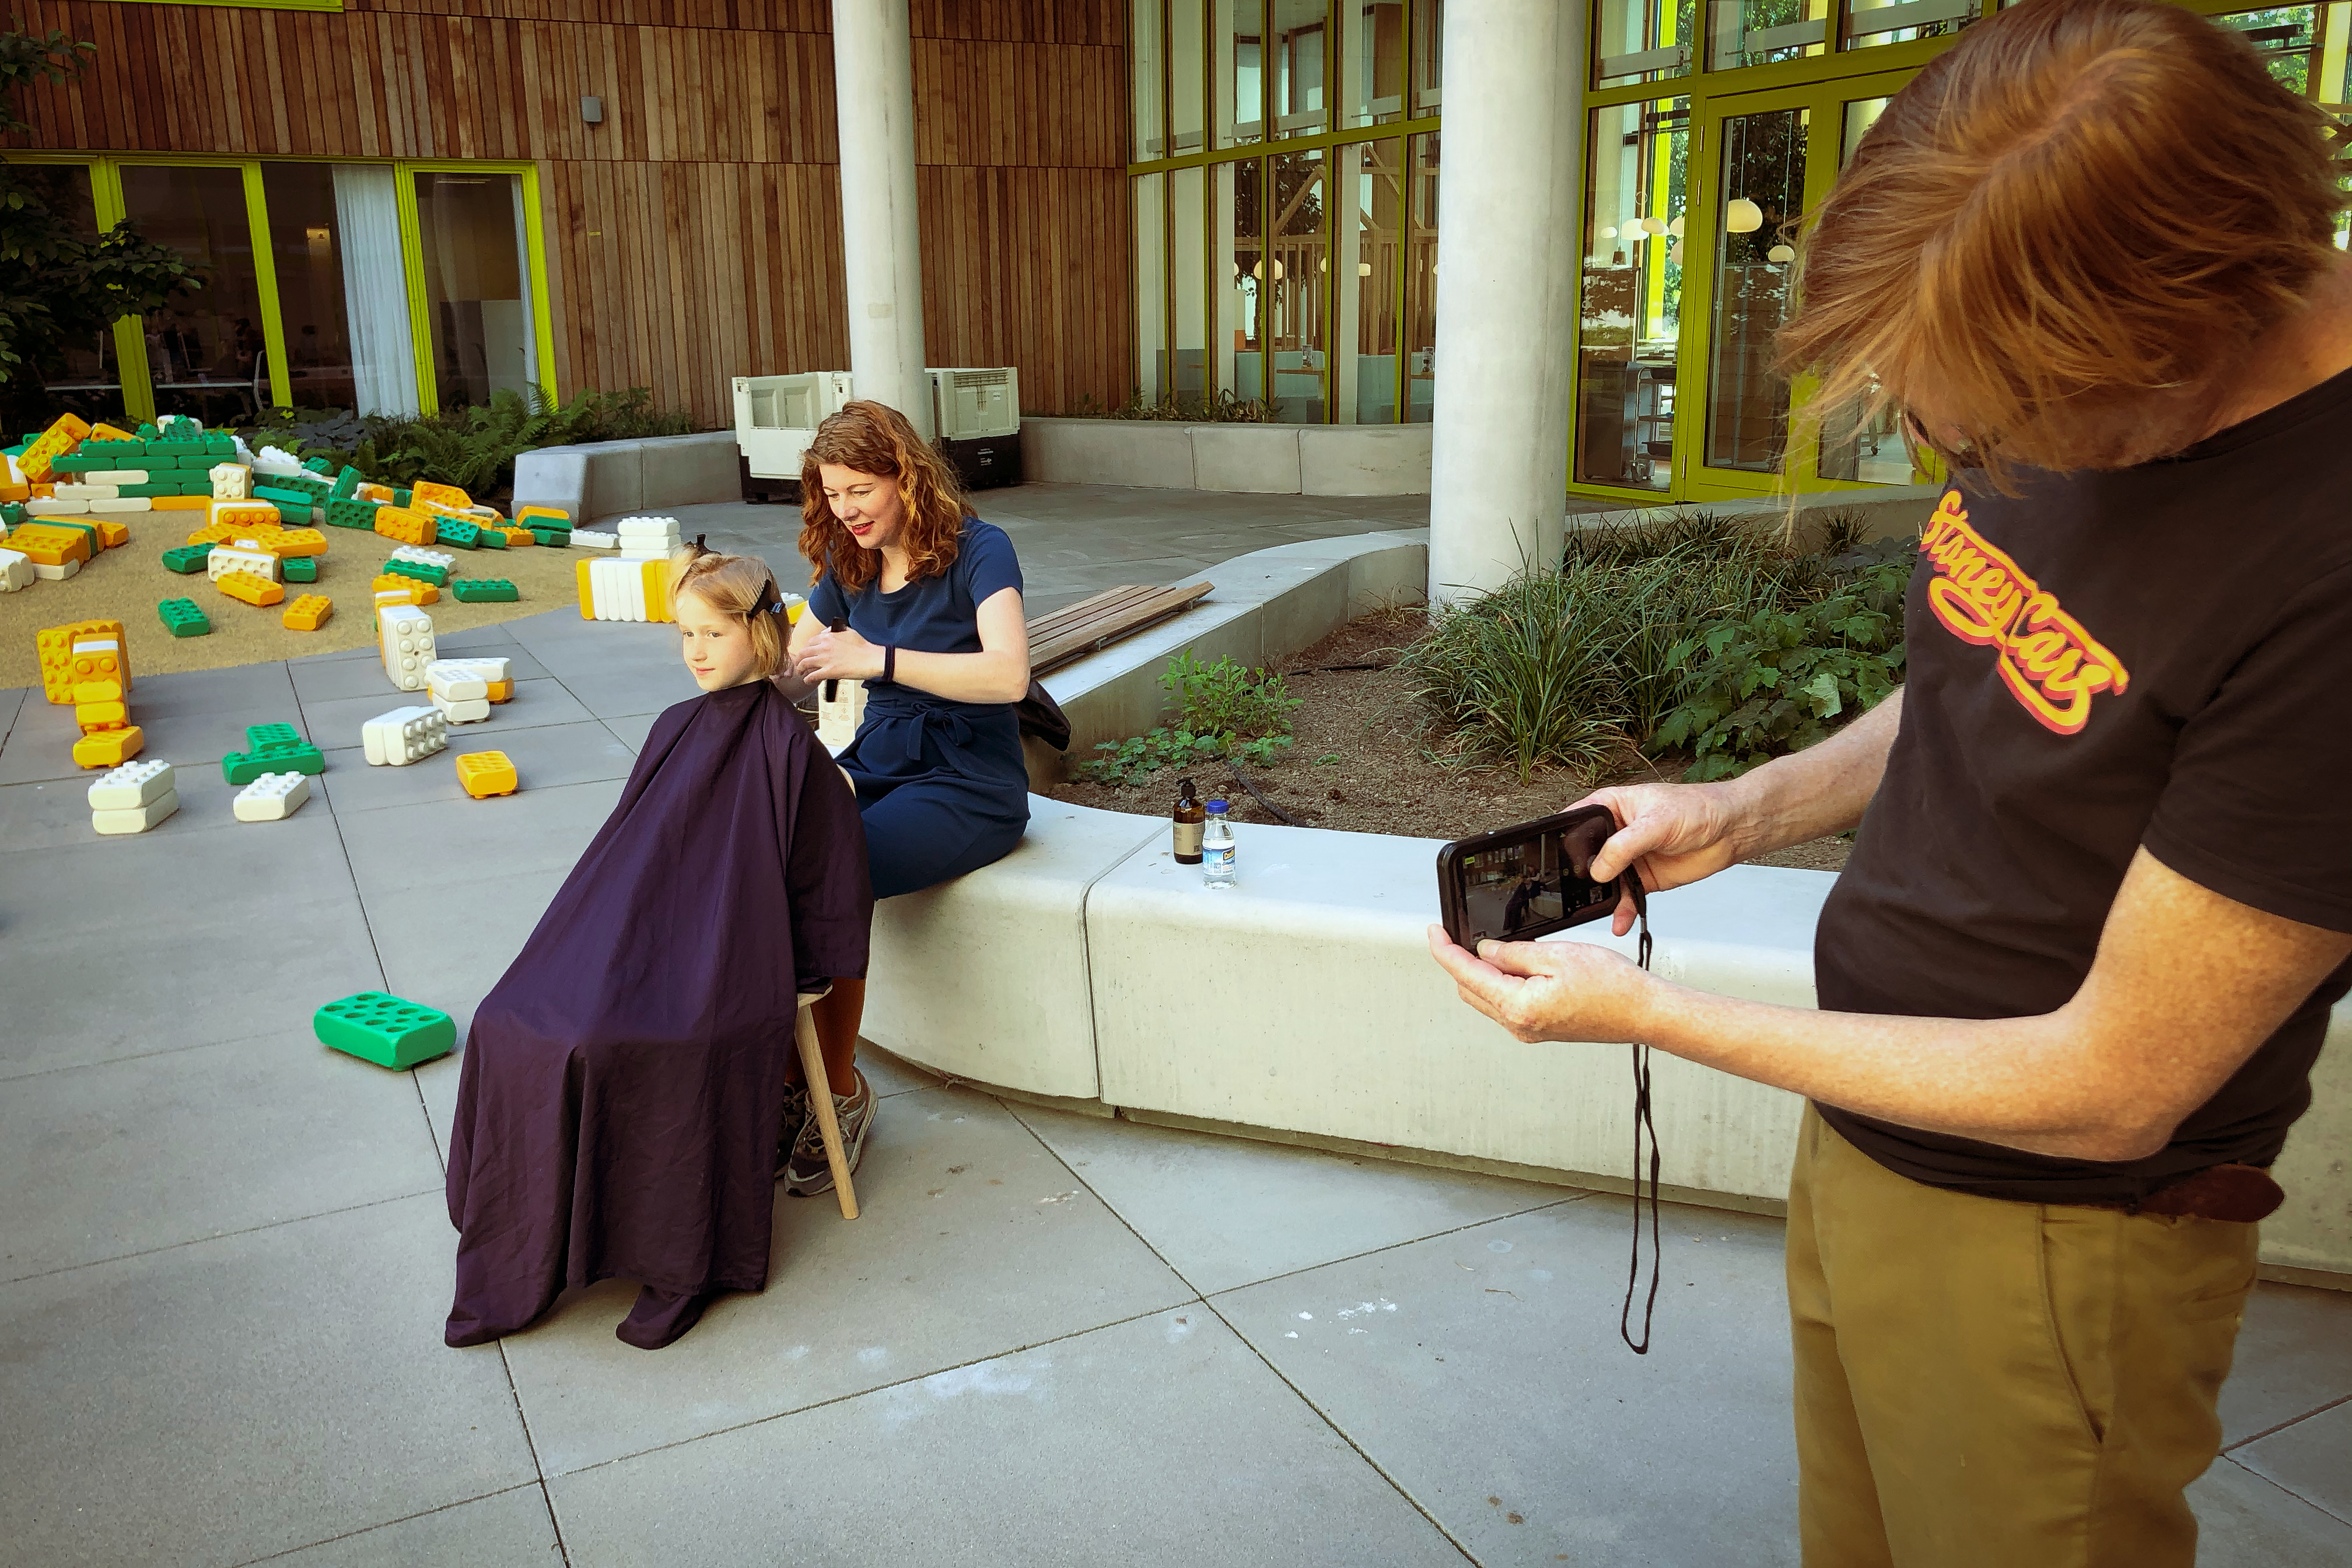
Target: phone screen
[(1516, 887)]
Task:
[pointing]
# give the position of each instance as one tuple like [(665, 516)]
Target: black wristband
[(889, 664)]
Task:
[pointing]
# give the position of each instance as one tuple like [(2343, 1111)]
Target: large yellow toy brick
[(407, 527), (501, 690), (92, 716), (516, 538), (108, 748), (180, 503), (554, 513), (80, 652), (658, 590), (111, 535), (257, 590), (245, 514), (110, 432), (48, 544), (381, 494), (285, 542), (486, 774), (58, 439), (410, 589), (309, 612), (587, 592), (230, 533), (16, 492), (88, 691), (447, 495)]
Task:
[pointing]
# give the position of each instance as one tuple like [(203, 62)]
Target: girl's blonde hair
[(741, 587), (2073, 222), (875, 438)]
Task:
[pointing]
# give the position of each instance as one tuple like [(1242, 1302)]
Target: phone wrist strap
[(1645, 1132)]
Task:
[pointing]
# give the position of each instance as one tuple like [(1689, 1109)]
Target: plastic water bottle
[(1217, 847)]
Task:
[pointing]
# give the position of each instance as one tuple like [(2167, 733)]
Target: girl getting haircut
[(2085, 208), (738, 586), (875, 439)]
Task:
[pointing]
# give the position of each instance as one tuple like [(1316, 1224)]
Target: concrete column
[(1506, 233), (874, 94)]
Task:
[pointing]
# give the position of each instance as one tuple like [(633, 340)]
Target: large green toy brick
[(186, 558), (271, 748), (184, 619), (148, 432), (491, 539), (457, 532), (59, 521), (346, 484), (319, 466), (557, 536), (423, 571), (169, 449), (282, 496), (386, 1030), (299, 568), (401, 498), (483, 590), (151, 488), (345, 513)]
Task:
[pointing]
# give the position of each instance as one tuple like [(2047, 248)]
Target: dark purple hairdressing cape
[(618, 1113)]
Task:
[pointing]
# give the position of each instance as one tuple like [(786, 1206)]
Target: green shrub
[(1770, 683), (471, 448), (1222, 711)]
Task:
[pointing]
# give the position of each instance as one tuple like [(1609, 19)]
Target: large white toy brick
[(106, 504), (618, 587), (594, 539), (132, 786), (232, 481), (137, 818), (396, 739), (89, 489), (227, 558), (404, 638), (469, 711), (642, 527), (56, 506), (273, 460), (116, 477), (272, 797), (57, 573), (485, 670), (425, 557), (452, 681), (16, 571)]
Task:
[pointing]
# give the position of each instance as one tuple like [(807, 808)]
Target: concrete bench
[(595, 479), (1088, 967)]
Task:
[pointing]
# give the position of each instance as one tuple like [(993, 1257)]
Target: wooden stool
[(821, 1099)]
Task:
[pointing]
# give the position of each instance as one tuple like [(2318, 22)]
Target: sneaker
[(789, 1126), (806, 1172)]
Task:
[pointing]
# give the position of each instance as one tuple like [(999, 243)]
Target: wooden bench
[(1067, 635)]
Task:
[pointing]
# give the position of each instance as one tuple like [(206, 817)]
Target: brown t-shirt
[(2157, 657)]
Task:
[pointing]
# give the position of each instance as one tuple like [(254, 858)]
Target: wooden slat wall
[(695, 235)]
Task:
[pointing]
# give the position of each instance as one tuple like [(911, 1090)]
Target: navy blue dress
[(942, 784)]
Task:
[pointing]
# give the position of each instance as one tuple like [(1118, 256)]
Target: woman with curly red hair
[(929, 599)]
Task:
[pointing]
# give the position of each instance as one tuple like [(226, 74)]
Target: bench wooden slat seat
[(1070, 634)]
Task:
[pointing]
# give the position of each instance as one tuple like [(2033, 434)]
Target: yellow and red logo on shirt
[(2051, 664)]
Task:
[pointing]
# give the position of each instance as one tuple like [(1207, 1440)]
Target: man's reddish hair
[(2065, 234)]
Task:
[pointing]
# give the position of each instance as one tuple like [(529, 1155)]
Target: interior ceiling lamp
[(1675, 253), (1741, 215), (1675, 228), (1781, 253), (1609, 232), (1654, 225), (1363, 270)]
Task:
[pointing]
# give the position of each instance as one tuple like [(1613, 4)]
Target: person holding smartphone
[(2074, 976)]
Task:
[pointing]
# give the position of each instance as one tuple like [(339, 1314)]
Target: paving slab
[(186, 717), (127, 1156), (2245, 1521), (441, 844), (972, 1241), (545, 757), (447, 946), (107, 942), (2312, 1458), (11, 702), (1484, 1365), (506, 1529), (223, 1401), (2293, 1357), (630, 729), (55, 813), (1226, 1212), (1155, 1442)]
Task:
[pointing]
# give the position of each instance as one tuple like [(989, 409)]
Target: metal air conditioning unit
[(978, 416), (776, 417)]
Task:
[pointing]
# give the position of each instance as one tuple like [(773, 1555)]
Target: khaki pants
[(1987, 1383)]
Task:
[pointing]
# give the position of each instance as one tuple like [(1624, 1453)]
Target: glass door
[(1764, 160)]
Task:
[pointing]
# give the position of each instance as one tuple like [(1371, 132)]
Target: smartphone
[(1524, 882)]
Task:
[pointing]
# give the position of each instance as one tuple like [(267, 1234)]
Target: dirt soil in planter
[(1365, 758)]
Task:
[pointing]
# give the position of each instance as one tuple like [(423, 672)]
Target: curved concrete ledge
[(1264, 459)]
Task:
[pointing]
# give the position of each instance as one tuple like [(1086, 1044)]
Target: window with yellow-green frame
[(383, 287), (1710, 129)]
